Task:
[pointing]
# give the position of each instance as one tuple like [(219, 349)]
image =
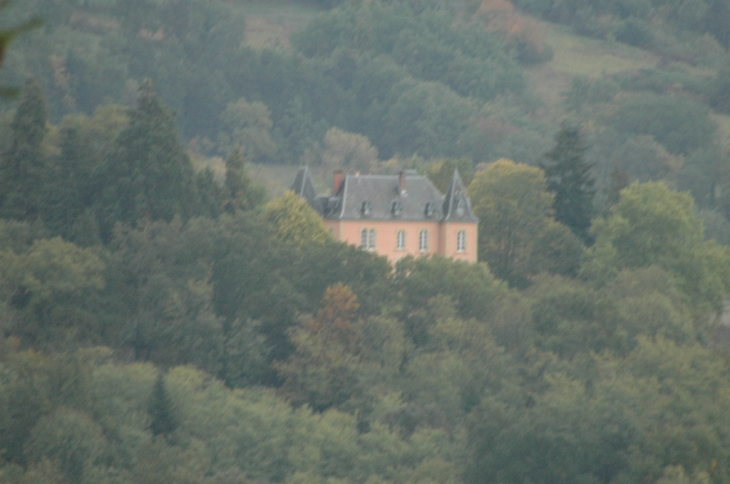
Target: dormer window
[(366, 208), (396, 207), (460, 207), (429, 209)]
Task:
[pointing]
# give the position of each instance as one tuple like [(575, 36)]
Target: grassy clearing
[(576, 55), (275, 178)]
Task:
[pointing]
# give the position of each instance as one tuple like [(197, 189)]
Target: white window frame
[(400, 240), (371, 239), (364, 239), (461, 241), (423, 240)]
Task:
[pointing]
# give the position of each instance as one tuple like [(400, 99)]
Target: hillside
[(169, 314)]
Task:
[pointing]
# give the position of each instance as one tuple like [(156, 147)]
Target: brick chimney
[(402, 181), (337, 178)]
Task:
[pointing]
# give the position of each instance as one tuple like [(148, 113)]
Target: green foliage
[(464, 57), (320, 373), (22, 168), (347, 151), (376, 375), (70, 438), (471, 286), (163, 420), (570, 179), (440, 172), (584, 91), (630, 22), (147, 175), (243, 194), (513, 206), (719, 91), (51, 286), (295, 221), (161, 294), (248, 127), (653, 225), (557, 250), (679, 123), (571, 318), (67, 182), (586, 430), (425, 118), (247, 354), (7, 35), (517, 235), (634, 31)]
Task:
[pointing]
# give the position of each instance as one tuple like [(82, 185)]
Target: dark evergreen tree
[(66, 183), (163, 420), (22, 167), (147, 175), (570, 179), (211, 195), (243, 194)]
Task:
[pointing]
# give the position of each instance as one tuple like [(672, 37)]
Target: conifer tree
[(66, 183), (22, 166), (148, 175), (569, 178), (163, 420), (242, 193)]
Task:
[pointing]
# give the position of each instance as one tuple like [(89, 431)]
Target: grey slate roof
[(457, 207), (379, 197), (304, 187)]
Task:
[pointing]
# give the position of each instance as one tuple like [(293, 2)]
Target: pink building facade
[(396, 215)]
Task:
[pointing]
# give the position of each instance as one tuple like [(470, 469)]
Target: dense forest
[(163, 322)]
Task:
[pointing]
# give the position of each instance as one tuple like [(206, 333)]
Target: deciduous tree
[(514, 207), (295, 221), (652, 224), (247, 125)]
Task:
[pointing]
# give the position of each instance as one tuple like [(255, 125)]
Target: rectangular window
[(423, 240), (461, 241), (400, 240), (367, 239)]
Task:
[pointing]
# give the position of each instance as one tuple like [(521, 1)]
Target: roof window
[(429, 209), (366, 207)]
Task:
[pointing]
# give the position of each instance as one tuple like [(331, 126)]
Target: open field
[(275, 178), (575, 55)]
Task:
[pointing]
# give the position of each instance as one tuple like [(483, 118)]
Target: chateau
[(395, 215)]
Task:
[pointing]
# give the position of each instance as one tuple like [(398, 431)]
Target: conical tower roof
[(457, 207)]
